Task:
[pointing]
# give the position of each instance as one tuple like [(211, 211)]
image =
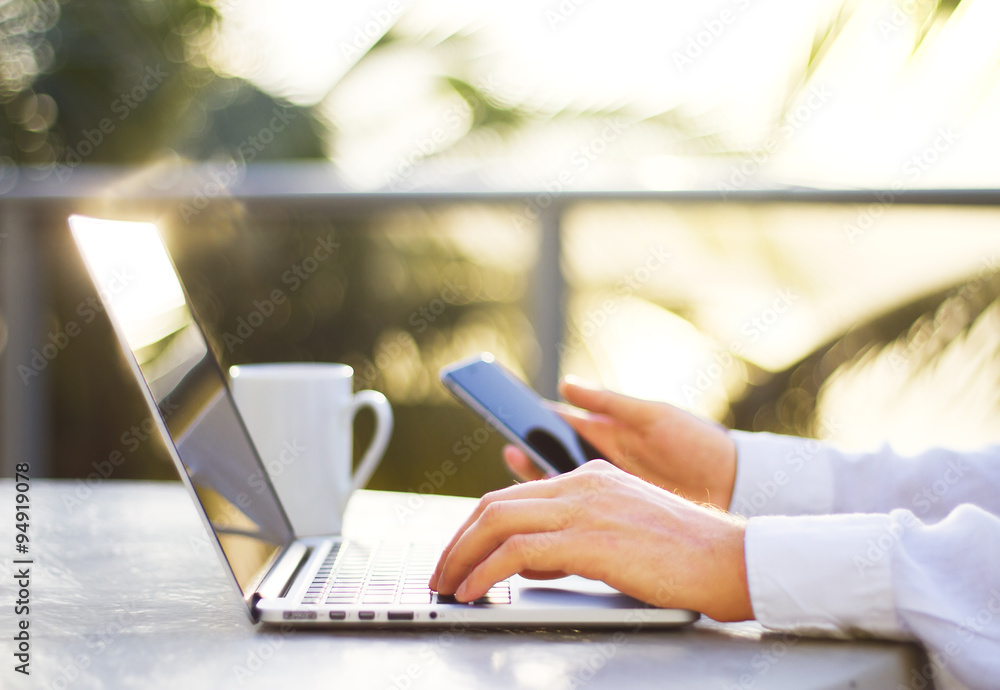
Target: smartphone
[(518, 413)]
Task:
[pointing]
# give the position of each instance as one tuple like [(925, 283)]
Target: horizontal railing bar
[(318, 185)]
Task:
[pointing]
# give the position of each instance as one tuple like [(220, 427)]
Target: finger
[(584, 394), (526, 490), (520, 465), (602, 431), (538, 551), (495, 525)]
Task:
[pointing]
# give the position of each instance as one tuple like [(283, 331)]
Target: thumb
[(519, 464)]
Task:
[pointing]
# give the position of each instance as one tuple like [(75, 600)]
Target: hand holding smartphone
[(518, 413)]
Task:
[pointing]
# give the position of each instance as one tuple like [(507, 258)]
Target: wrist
[(728, 473), (728, 594), (723, 473)]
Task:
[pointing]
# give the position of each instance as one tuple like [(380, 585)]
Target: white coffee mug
[(301, 419)]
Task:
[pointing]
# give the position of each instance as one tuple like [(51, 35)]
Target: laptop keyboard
[(388, 573)]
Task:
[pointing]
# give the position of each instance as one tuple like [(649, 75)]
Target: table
[(125, 593)]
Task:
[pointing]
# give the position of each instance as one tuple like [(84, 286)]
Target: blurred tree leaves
[(67, 67), (113, 81), (927, 14)]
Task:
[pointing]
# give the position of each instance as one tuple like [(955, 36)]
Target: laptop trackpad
[(571, 592)]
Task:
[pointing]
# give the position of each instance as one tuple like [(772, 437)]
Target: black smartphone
[(518, 413)]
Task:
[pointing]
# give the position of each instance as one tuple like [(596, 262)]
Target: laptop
[(282, 579)]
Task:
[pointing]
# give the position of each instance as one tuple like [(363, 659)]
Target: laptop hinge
[(277, 582)]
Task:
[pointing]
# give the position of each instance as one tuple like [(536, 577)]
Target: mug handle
[(383, 431)]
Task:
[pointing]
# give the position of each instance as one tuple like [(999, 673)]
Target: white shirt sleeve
[(889, 576), (879, 545), (786, 475)]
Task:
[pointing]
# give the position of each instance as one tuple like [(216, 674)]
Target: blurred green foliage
[(125, 81)]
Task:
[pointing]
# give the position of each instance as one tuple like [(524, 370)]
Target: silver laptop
[(282, 579)]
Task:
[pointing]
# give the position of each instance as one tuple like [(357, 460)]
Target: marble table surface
[(126, 593)]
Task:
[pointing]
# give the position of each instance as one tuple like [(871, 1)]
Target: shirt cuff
[(781, 475), (826, 574)]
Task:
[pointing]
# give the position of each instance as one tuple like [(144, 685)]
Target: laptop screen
[(142, 294)]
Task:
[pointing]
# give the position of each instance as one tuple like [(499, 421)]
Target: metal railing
[(32, 210)]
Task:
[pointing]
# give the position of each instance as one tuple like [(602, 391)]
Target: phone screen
[(518, 412)]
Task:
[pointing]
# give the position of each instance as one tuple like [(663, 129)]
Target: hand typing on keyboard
[(603, 523)]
